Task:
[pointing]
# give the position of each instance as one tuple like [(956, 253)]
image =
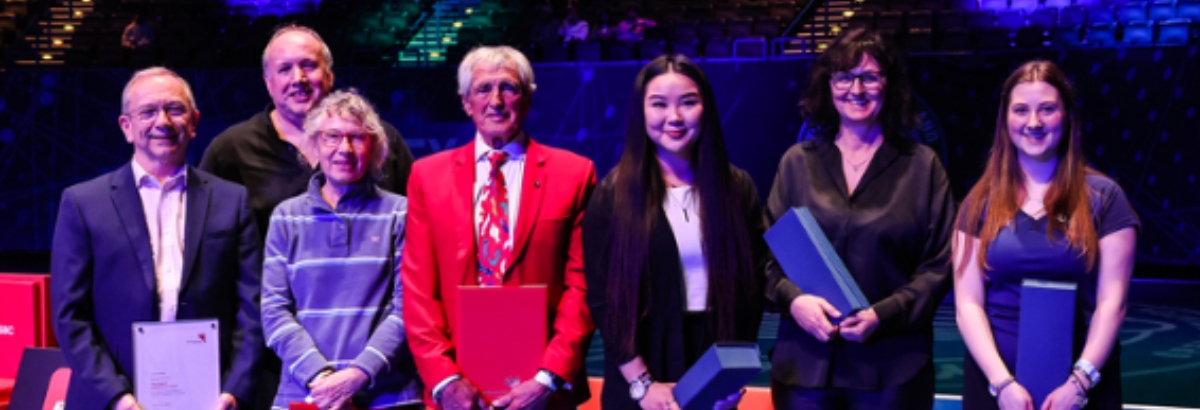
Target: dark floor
[(1160, 340)]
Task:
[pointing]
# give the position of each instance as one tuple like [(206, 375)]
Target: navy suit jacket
[(102, 281)]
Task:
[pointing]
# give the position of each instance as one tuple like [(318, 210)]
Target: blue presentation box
[(723, 370), (1046, 336), (810, 262)]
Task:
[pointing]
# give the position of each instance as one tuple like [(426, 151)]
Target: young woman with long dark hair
[(673, 241)]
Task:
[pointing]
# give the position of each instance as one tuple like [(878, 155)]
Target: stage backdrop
[(59, 127)]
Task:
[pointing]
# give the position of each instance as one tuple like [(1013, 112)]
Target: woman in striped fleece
[(331, 292)]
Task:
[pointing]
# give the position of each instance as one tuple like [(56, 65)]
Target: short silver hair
[(156, 72), (494, 56), (349, 104), (290, 28)]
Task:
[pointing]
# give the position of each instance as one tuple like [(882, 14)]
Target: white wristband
[(1089, 370)]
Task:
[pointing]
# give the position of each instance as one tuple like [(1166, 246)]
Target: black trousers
[(916, 393)]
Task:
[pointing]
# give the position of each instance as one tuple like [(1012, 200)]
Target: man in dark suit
[(155, 240), (520, 204)]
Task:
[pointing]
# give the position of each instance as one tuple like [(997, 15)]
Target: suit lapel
[(128, 206), (462, 208), (198, 197), (531, 201)]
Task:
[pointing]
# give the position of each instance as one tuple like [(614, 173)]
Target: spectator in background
[(603, 29), (544, 28), (138, 34), (633, 27), (573, 28)]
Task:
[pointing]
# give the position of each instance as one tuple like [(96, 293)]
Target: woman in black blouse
[(672, 238), (884, 203)]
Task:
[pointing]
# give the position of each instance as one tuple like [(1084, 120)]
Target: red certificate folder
[(500, 336)]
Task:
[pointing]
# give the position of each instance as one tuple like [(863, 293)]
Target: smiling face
[(296, 74), (344, 149), (496, 102), (858, 92), (674, 110), (1035, 120), (159, 120)]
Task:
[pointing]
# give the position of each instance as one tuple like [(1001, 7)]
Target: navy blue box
[(810, 262), (1046, 336), (723, 370)]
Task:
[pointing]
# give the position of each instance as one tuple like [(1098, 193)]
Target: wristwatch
[(998, 387), (639, 386)]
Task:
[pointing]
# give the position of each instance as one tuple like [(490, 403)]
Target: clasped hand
[(661, 396), (812, 313), (461, 395), (335, 390)]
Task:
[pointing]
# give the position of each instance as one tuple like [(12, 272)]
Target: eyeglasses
[(334, 138), (149, 113), (843, 80)]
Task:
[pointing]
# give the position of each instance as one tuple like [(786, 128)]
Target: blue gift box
[(723, 370)]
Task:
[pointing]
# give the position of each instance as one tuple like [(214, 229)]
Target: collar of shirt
[(145, 180), (515, 148), (357, 194)]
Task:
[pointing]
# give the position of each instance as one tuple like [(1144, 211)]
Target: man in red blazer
[(545, 191)]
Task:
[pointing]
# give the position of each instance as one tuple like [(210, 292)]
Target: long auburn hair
[(816, 105), (638, 197), (996, 198)]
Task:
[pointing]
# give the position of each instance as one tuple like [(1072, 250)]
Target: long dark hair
[(816, 106), (637, 202), (995, 199)]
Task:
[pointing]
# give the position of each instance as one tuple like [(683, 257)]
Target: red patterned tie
[(494, 248)]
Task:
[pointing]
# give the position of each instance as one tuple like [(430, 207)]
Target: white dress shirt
[(163, 205), (690, 240), (513, 169)]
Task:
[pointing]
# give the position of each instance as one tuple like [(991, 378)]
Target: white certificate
[(176, 364)]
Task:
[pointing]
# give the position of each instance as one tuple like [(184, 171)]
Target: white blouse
[(682, 209)]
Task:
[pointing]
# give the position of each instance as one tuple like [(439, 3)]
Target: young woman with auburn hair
[(1039, 212)]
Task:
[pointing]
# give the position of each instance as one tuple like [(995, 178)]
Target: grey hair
[(325, 53), (349, 104), (156, 72), (494, 56)]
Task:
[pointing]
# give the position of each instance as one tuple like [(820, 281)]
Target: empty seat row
[(768, 27), (1173, 32), (649, 49)]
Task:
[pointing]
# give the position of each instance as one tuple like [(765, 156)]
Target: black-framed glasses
[(843, 80), (334, 138)]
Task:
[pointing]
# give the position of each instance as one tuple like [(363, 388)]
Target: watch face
[(637, 390)]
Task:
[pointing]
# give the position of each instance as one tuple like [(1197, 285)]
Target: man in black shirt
[(264, 153)]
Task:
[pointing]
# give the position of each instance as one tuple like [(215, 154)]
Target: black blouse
[(660, 335), (893, 233)]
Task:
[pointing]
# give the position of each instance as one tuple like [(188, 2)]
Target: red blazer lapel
[(462, 210), (531, 201)]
